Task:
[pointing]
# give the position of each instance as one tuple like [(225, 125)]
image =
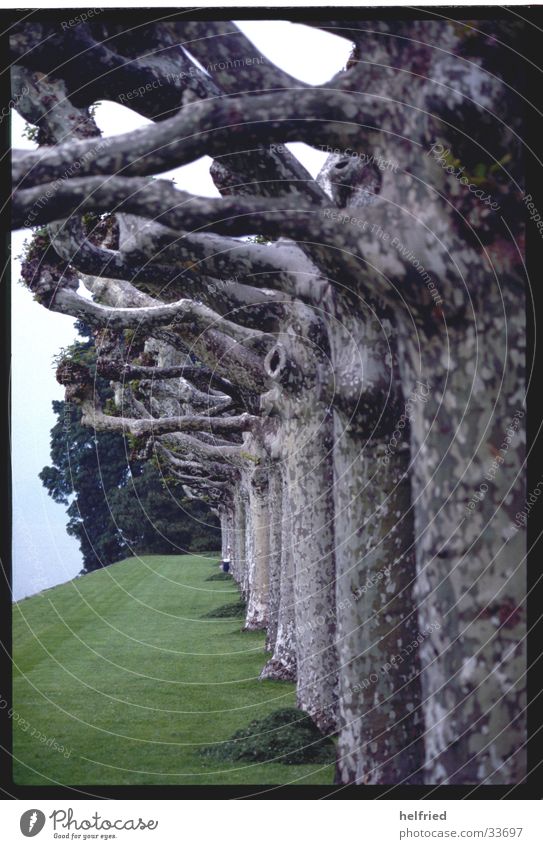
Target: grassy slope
[(120, 669)]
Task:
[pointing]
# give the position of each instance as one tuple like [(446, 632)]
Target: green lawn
[(123, 670)]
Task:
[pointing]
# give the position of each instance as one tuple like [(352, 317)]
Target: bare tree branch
[(201, 318), (208, 468), (231, 58), (96, 69), (205, 447), (95, 418), (117, 370), (214, 127), (339, 238), (146, 88), (257, 265), (196, 264)]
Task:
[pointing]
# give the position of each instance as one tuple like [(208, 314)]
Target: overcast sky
[(43, 553)]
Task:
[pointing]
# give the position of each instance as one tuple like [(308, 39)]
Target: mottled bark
[(94, 417), (298, 364), (170, 143), (310, 500), (282, 665), (239, 560), (257, 605), (275, 507), (381, 730), (464, 296), (380, 741), (468, 449)]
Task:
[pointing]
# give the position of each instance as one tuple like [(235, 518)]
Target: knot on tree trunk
[(260, 481), (354, 179), (282, 368)]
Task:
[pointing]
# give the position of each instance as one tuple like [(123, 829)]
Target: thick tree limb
[(146, 318), (279, 164), (56, 287), (94, 417), (146, 87), (115, 370), (227, 361), (202, 480), (209, 468), (35, 94), (212, 404), (214, 127), (211, 40), (174, 208), (221, 43), (237, 216), (196, 264), (154, 84), (256, 265), (206, 447), (376, 250)]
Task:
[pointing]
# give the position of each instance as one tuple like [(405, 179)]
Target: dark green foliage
[(87, 465), (121, 506), (260, 240), (236, 610), (158, 518), (288, 736), (30, 132), (220, 576)]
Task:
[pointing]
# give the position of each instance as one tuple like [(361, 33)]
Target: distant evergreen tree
[(120, 506), (88, 466), (157, 517)]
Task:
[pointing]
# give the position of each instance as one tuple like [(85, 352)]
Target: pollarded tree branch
[(214, 498), (206, 447), (103, 269), (173, 208), (200, 317), (211, 402), (271, 267), (146, 88), (94, 417), (117, 370), (342, 240), (55, 284), (188, 394), (72, 244), (232, 367), (231, 58), (203, 480), (95, 69), (162, 201), (34, 102), (198, 263), (214, 127), (211, 471), (35, 93), (207, 468)]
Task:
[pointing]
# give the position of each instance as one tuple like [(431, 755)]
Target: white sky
[(43, 553)]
